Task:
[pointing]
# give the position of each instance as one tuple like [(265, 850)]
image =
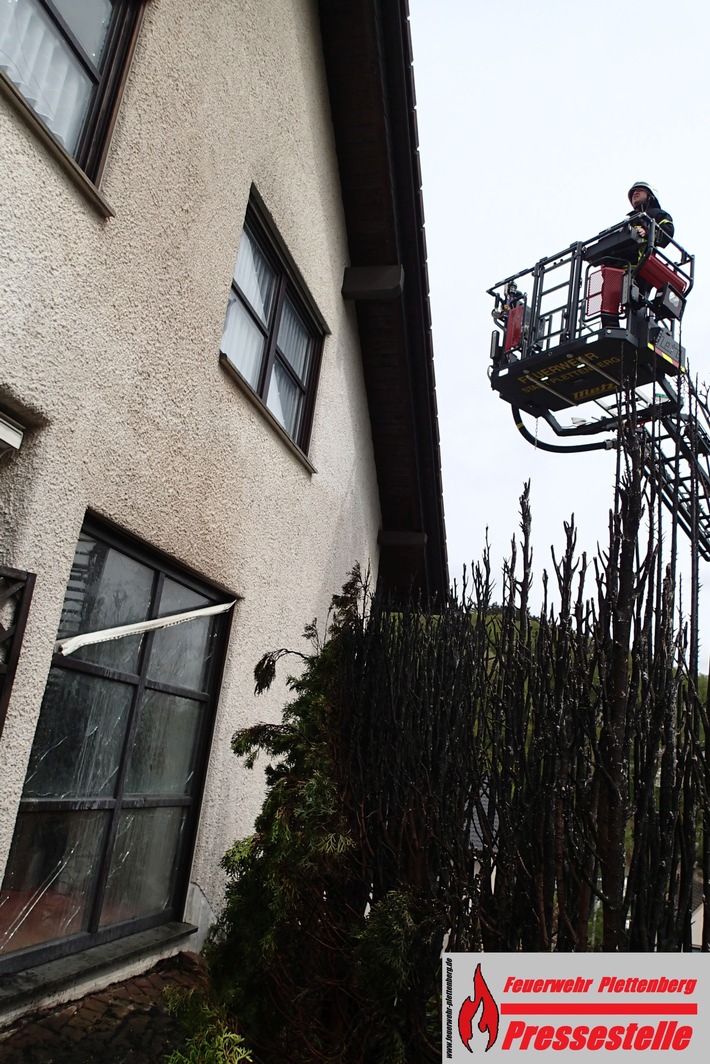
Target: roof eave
[(368, 56)]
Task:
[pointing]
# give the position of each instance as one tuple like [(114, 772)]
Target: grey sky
[(534, 120)]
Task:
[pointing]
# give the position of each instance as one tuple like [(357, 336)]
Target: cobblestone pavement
[(127, 1023)]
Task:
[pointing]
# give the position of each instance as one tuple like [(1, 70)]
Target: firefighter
[(643, 198), (510, 300)]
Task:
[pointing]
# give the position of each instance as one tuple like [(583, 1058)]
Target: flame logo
[(488, 1022)]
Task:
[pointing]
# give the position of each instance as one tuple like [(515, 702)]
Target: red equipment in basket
[(514, 328), (657, 273), (604, 289)]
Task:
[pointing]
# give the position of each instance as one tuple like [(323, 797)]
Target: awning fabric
[(68, 646)]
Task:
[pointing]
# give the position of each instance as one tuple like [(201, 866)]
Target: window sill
[(61, 156), (263, 409), (34, 985)]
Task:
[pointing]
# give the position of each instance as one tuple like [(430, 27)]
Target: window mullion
[(158, 801), (103, 865), (250, 310), (288, 368), (67, 34), (179, 692), (271, 347), (103, 672), (62, 805)]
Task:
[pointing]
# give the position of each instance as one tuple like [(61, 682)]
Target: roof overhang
[(368, 56)]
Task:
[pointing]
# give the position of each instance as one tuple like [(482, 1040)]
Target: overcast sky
[(534, 120)]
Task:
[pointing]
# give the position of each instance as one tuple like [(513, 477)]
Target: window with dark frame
[(273, 335), (67, 58), (105, 830), (16, 587)]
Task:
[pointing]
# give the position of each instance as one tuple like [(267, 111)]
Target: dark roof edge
[(399, 59), (368, 54)]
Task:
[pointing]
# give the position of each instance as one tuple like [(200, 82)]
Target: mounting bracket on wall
[(11, 434), (377, 284)]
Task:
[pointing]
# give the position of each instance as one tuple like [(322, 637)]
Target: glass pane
[(140, 880), (89, 22), (255, 277), (105, 590), (181, 655), (79, 738), (162, 760), (242, 342), (285, 400), (293, 341), (47, 888), (36, 59)]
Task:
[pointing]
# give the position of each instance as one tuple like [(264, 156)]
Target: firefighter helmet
[(652, 196)]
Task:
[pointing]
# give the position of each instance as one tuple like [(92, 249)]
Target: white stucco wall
[(109, 339)]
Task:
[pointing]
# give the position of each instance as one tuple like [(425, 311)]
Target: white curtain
[(285, 401), (255, 278), (37, 61), (294, 342), (242, 342)]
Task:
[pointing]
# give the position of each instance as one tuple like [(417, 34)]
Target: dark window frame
[(289, 284), (109, 81), (164, 568), (18, 585)]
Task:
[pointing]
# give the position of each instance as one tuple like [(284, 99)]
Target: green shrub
[(210, 1035)]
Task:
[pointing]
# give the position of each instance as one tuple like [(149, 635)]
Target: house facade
[(216, 395)]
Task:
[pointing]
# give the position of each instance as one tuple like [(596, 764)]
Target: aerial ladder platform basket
[(594, 329), (582, 324)]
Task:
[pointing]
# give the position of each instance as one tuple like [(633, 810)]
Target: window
[(16, 588), (273, 334), (67, 58), (109, 807)]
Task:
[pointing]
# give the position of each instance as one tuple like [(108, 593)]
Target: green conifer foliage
[(466, 776), (328, 948)]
